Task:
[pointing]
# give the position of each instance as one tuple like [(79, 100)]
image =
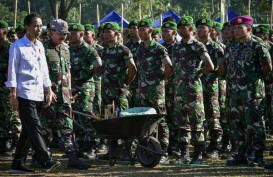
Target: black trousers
[(31, 135)]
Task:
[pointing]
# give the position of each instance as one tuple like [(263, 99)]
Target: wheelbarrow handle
[(86, 115)]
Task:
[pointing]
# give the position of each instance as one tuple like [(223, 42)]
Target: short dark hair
[(28, 19)]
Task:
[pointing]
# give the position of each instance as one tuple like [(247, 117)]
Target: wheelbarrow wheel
[(148, 158)]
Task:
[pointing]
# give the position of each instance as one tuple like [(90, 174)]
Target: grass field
[(210, 168)]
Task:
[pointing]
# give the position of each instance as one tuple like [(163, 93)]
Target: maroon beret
[(242, 20)]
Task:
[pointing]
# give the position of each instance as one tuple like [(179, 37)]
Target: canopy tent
[(113, 16), (231, 15), (170, 13)]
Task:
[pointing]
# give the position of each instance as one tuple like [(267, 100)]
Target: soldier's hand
[(50, 97), (13, 102)]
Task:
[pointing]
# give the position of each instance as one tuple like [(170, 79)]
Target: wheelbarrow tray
[(129, 127)]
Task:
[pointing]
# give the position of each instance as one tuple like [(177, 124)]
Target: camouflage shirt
[(4, 58), (216, 54), (244, 63), (83, 59), (188, 59), (150, 63), (58, 59), (115, 62)]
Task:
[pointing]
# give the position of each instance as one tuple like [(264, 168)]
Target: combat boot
[(259, 159), (74, 162), (238, 160), (184, 157), (197, 155), (212, 150)]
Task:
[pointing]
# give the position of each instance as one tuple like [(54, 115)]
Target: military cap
[(60, 26), (261, 29), (145, 22), (111, 26), (185, 20), (89, 27), (242, 20), (204, 21), (169, 25), (11, 31), (20, 28), (3, 24), (218, 26), (264, 26), (226, 24), (76, 27), (156, 31), (133, 23)]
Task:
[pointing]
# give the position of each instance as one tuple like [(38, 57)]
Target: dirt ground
[(101, 168)]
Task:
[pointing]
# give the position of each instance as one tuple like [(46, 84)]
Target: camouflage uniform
[(211, 93), (97, 80), (150, 63), (59, 114), (189, 108), (83, 59), (115, 62), (10, 125), (133, 99), (246, 86)]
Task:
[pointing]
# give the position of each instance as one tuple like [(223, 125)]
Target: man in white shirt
[(27, 78)]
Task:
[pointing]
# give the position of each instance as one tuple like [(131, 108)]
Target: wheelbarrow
[(137, 129)]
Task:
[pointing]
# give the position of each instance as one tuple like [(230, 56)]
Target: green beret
[(262, 30), (133, 23), (265, 26), (204, 21), (218, 26), (11, 31), (185, 20), (76, 27), (145, 22), (169, 25), (89, 27), (156, 31), (3, 24), (20, 28), (111, 26)]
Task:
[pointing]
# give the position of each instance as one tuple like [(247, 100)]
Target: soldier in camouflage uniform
[(189, 114), (85, 63), (118, 72), (262, 31), (155, 67), (248, 62), (119, 69), (157, 34), (59, 114), (89, 35), (133, 45), (169, 36), (210, 87), (10, 126)]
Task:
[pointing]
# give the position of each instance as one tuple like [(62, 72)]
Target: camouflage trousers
[(269, 107), (133, 97), (84, 103), (163, 129), (223, 112), (58, 117), (246, 123), (97, 98), (10, 124), (189, 113), (173, 131), (212, 110)]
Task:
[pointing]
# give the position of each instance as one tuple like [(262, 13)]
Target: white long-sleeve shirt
[(28, 70)]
